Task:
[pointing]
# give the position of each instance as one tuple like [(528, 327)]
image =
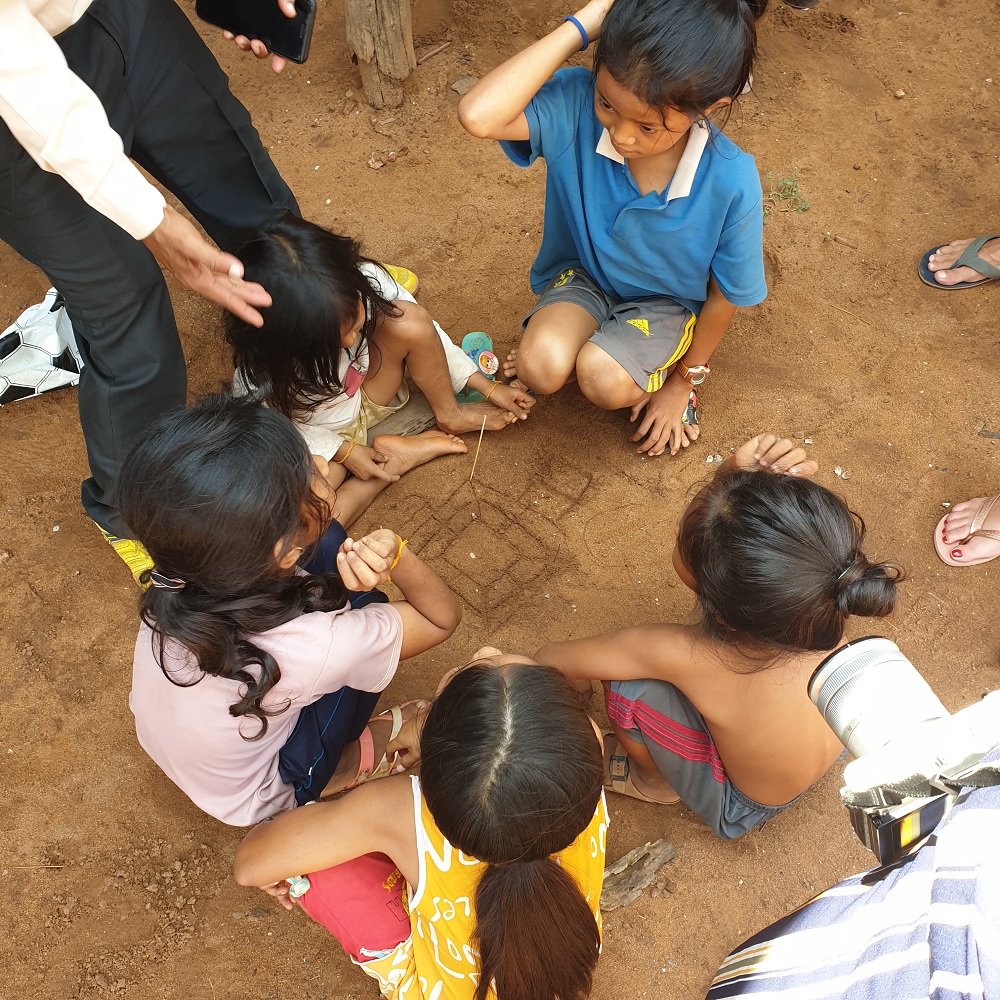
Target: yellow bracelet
[(490, 393), (350, 448), (399, 552)]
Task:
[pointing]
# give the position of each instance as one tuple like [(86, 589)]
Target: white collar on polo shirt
[(680, 183)]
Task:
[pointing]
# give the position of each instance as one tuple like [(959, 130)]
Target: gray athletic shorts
[(656, 714), (647, 337)]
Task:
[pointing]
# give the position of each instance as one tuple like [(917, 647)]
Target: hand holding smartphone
[(264, 21)]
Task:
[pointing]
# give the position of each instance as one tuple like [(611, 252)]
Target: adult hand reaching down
[(205, 269)]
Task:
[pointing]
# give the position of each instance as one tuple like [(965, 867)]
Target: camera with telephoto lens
[(913, 757)]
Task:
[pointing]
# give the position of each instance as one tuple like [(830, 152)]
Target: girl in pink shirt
[(254, 678)]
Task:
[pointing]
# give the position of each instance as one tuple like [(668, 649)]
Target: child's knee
[(603, 381), (541, 368), (414, 327)]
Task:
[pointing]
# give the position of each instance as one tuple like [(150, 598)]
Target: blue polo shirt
[(709, 220)]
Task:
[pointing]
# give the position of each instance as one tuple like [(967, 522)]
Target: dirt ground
[(884, 118)]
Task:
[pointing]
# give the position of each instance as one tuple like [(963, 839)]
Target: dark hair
[(314, 279), (210, 491), (512, 772), (684, 54), (778, 564)]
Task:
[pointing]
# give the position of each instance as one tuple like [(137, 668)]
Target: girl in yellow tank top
[(495, 855)]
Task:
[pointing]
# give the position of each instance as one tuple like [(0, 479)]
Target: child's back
[(770, 739), (718, 712)]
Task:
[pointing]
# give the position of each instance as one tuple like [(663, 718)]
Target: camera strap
[(919, 786)]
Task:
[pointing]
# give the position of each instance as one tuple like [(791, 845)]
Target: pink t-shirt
[(189, 732)]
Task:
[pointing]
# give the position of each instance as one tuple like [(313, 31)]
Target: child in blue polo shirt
[(653, 231)]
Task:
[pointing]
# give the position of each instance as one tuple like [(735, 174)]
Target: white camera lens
[(868, 692)]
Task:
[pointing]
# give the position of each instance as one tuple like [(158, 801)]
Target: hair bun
[(868, 589)]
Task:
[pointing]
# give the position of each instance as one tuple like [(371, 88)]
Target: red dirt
[(114, 884)]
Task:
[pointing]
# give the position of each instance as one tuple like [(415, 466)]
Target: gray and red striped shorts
[(656, 714)]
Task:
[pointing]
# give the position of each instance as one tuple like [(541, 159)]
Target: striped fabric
[(928, 929), (691, 744)]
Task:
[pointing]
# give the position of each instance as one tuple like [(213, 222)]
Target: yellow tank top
[(437, 961)]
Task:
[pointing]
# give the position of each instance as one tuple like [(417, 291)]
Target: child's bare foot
[(406, 453), (510, 372), (622, 776), (510, 364), (469, 417)]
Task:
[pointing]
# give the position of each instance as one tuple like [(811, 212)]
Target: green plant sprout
[(784, 192)]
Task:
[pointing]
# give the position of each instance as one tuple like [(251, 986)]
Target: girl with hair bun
[(496, 852), (717, 713)]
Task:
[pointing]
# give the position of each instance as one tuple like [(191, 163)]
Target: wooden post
[(380, 39)]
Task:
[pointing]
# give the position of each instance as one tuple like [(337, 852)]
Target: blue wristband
[(581, 29)]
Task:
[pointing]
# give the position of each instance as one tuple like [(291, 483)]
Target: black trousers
[(167, 98)]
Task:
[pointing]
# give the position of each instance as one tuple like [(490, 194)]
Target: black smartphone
[(288, 37)]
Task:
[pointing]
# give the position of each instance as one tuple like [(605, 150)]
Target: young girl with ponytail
[(717, 713), (264, 645), (653, 230), (496, 852)]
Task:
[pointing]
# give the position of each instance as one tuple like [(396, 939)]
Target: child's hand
[(593, 14), (365, 564), (367, 463), (663, 424), (280, 892), (774, 454), (515, 401)]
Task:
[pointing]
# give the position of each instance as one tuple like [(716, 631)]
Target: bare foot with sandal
[(962, 264), (625, 773), (391, 738), (969, 534)]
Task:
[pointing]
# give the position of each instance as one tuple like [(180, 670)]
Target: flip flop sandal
[(946, 550), (368, 770), (617, 776), (403, 277), (970, 258), (479, 347)]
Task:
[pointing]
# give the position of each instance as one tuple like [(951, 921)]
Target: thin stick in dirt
[(433, 52), (478, 446)]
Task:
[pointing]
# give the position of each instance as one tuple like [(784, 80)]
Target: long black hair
[(684, 54), (315, 282), (512, 772), (778, 563), (211, 491)]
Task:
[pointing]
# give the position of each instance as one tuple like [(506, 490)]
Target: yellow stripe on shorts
[(658, 377)]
